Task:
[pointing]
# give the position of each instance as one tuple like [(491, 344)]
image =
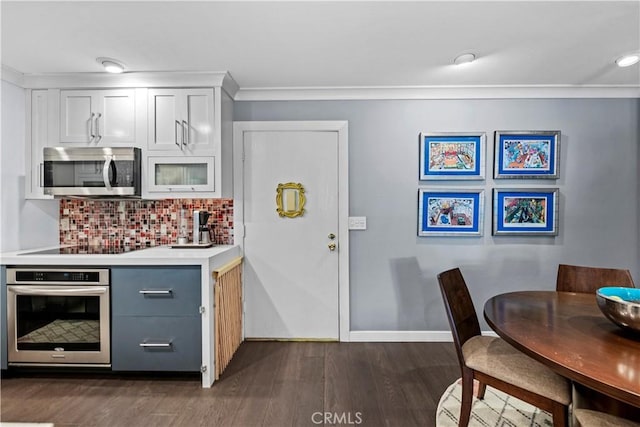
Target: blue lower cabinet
[(156, 323), (156, 343), (155, 291)]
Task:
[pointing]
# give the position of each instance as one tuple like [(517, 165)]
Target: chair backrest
[(575, 278), (460, 310)]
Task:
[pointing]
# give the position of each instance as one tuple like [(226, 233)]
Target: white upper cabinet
[(183, 125), (182, 120), (98, 117), (38, 105)]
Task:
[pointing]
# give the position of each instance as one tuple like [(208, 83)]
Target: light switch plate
[(357, 223)]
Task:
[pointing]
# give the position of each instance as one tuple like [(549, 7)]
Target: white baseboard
[(405, 336)]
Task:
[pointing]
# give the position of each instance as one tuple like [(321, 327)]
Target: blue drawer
[(182, 334), (155, 291)]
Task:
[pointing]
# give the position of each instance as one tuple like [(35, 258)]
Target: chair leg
[(482, 387), (560, 414), (467, 397)]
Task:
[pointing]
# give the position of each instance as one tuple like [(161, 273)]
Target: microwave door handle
[(105, 172)]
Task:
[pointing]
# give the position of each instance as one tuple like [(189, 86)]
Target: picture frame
[(525, 212), (452, 155), (457, 212), (527, 154)]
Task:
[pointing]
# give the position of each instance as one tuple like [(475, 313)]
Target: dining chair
[(492, 361), (589, 418), (576, 278)]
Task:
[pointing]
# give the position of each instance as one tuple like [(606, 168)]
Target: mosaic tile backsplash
[(139, 223)]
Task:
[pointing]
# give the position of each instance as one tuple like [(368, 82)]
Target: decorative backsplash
[(139, 223)]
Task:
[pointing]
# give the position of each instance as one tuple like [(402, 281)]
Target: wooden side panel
[(228, 313)]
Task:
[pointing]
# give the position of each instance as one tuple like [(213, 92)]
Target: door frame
[(342, 129)]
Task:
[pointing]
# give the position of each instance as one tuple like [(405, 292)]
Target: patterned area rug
[(495, 410)]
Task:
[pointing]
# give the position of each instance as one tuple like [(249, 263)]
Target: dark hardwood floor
[(266, 384)]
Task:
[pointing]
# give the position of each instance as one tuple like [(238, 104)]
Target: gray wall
[(23, 223), (393, 272)]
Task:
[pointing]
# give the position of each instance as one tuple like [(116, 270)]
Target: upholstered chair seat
[(495, 357), (588, 418)]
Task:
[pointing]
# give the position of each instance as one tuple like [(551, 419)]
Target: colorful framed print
[(532, 212), (527, 154), (452, 155), (450, 212)]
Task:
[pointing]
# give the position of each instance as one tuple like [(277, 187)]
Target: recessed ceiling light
[(465, 58), (628, 60), (111, 65)]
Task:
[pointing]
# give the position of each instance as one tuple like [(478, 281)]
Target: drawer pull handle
[(155, 344), (155, 291)]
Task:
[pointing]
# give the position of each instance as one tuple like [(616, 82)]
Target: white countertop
[(159, 255)]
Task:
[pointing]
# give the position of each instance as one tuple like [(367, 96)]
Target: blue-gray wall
[(393, 272)]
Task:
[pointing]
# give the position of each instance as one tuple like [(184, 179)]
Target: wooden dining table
[(567, 332)]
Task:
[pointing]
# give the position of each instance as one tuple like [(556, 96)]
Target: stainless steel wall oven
[(58, 316)]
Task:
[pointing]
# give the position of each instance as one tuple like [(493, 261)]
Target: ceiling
[(305, 44)]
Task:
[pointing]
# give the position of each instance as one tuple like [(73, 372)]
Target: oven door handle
[(57, 291)]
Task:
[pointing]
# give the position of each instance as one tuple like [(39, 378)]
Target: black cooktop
[(86, 250)]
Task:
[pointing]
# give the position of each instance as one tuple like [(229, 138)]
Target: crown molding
[(12, 76), (131, 79), (435, 92), (225, 80)]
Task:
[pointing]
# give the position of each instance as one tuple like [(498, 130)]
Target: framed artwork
[(526, 154), (452, 155), (532, 212), (450, 212)]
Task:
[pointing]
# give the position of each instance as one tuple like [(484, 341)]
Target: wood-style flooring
[(266, 384)]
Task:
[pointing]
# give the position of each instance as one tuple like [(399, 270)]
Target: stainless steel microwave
[(92, 171)]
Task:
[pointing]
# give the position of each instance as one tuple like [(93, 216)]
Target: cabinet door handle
[(155, 344), (176, 133), (155, 291), (98, 126), (92, 133), (185, 127), (41, 174)]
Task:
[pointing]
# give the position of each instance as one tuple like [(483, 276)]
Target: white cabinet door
[(97, 117), (181, 176), (165, 127), (118, 117), (182, 120), (199, 123), (77, 116), (36, 140)]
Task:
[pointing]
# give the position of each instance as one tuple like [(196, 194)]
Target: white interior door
[(291, 274)]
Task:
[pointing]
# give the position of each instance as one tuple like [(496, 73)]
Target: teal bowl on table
[(621, 306)]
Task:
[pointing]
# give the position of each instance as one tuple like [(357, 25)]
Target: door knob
[(332, 246)]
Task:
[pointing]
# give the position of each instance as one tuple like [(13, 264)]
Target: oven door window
[(62, 323)]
